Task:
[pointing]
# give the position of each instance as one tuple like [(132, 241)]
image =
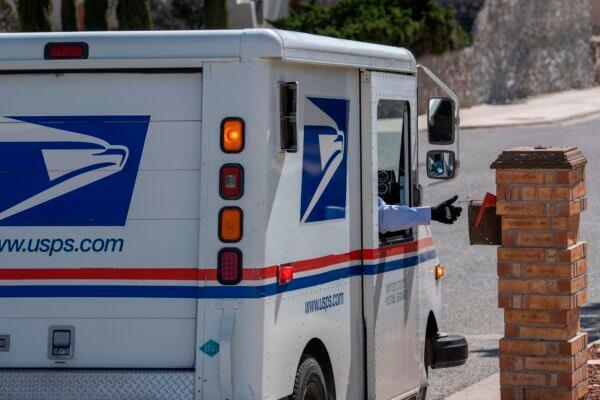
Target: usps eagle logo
[(324, 167), (69, 171)]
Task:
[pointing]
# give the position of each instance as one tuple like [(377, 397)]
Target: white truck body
[(109, 219)]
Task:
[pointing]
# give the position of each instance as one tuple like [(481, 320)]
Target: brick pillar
[(542, 273)]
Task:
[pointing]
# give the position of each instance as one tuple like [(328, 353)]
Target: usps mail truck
[(193, 215)]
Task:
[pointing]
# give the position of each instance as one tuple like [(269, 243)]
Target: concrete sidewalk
[(488, 389), (548, 109)]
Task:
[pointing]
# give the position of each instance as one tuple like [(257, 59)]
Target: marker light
[(231, 181), (229, 269), (230, 224), (232, 135), (65, 50), (440, 271), (285, 274)]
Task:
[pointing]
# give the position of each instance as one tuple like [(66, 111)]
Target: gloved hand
[(445, 212)]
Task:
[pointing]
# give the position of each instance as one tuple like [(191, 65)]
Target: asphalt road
[(470, 287)]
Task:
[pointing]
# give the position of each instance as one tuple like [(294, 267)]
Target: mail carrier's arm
[(394, 218)]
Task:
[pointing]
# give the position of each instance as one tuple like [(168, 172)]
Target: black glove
[(445, 212)]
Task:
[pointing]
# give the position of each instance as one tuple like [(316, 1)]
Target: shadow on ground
[(590, 321)]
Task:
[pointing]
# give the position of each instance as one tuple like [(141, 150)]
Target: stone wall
[(466, 11), (520, 49), (596, 52), (596, 16), (8, 17)]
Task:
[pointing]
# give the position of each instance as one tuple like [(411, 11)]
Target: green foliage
[(422, 26), (189, 11), (210, 15), (214, 14), (95, 15), (34, 15), (134, 15), (67, 15)]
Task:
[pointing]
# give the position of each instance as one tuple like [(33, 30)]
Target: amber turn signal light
[(230, 224), (440, 271), (232, 135)]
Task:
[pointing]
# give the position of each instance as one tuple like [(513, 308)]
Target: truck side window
[(393, 179)]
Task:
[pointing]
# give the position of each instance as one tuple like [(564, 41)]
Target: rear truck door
[(390, 286), (99, 209)]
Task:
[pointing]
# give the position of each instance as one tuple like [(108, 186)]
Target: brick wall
[(542, 272)]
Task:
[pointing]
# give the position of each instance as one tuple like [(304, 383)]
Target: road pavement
[(470, 287)]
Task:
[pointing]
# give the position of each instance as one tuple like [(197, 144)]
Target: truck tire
[(310, 382)]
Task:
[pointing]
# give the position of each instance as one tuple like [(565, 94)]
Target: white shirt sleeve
[(394, 218)]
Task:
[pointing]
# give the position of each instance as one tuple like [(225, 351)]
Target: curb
[(532, 124)]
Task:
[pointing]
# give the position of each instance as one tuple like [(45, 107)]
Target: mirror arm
[(445, 88)]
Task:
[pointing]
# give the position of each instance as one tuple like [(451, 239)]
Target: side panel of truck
[(323, 304), (99, 217)]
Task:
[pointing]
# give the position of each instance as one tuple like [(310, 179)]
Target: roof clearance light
[(229, 269), (232, 135), (230, 224), (231, 181), (66, 51)]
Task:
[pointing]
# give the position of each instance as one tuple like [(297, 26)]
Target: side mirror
[(441, 121), (441, 164)]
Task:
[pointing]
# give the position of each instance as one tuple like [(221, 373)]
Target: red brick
[(523, 347), (573, 253), (581, 390), (572, 379), (521, 254), (511, 330), (520, 378), (570, 223), (573, 345), (572, 177), (549, 394), (512, 177), (510, 362), (509, 237), (548, 363), (522, 209), (507, 393), (567, 286), (544, 332), (521, 286), (527, 223), (541, 317), (567, 209), (541, 238), (550, 302), (566, 270)]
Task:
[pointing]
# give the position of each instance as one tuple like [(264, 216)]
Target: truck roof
[(17, 50)]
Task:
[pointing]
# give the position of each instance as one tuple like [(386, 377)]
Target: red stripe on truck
[(194, 274)]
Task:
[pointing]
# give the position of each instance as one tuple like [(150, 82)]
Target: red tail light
[(231, 181), (229, 269), (285, 274), (66, 51)]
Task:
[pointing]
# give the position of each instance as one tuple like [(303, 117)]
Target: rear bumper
[(449, 351)]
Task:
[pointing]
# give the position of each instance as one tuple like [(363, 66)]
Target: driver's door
[(390, 287)]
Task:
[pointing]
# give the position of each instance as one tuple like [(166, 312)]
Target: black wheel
[(310, 381)]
